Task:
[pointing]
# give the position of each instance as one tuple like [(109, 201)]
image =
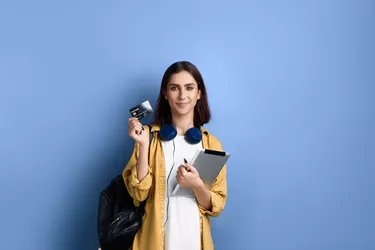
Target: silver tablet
[(209, 164)]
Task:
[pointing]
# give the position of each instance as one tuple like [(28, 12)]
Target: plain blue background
[(291, 88)]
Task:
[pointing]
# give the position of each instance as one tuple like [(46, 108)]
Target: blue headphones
[(168, 132)]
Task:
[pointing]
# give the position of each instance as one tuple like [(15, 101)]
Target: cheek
[(170, 101), (194, 95), (170, 95)]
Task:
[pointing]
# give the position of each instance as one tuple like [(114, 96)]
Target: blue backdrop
[(291, 88)]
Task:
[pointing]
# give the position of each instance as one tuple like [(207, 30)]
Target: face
[(182, 93)]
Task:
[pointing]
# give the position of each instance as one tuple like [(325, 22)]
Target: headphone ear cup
[(168, 132), (193, 135)]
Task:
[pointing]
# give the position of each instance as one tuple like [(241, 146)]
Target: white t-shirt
[(182, 227)]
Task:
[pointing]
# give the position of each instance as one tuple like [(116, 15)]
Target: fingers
[(182, 169), (135, 126), (181, 174), (134, 123), (132, 119), (178, 177), (190, 168)]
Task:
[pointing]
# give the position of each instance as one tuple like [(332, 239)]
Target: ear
[(199, 94)]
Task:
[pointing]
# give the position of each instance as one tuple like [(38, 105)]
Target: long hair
[(202, 114)]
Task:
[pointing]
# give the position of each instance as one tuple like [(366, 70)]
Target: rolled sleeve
[(218, 192), (138, 190), (144, 184)]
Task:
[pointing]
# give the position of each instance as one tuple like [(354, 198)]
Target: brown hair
[(202, 114)]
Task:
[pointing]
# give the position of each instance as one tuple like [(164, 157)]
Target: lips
[(182, 104)]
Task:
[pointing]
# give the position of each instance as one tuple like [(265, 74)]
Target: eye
[(190, 88), (173, 88)]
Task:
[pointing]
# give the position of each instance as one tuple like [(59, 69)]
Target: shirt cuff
[(216, 208), (144, 184)]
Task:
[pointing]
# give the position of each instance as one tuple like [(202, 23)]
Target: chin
[(181, 112)]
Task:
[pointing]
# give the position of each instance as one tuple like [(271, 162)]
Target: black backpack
[(118, 219)]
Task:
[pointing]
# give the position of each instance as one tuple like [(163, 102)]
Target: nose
[(182, 95)]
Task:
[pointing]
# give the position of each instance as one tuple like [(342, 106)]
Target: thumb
[(192, 168)]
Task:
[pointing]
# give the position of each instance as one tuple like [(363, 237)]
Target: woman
[(175, 222)]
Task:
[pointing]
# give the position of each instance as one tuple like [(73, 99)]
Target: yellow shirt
[(152, 187)]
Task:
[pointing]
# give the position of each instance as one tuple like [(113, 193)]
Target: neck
[(183, 123)]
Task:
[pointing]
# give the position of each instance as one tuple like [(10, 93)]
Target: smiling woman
[(182, 91), (170, 221), (182, 94)]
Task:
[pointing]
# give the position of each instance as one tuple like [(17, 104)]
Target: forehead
[(182, 78)]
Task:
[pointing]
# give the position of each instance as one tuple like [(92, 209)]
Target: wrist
[(200, 185), (143, 147)]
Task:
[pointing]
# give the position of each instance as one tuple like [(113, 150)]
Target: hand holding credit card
[(140, 111)]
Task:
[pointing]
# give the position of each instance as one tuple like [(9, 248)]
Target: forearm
[(142, 163), (203, 196)]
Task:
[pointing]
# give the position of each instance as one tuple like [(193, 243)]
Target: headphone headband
[(168, 132)]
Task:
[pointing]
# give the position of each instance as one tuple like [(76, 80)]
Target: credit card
[(141, 110)]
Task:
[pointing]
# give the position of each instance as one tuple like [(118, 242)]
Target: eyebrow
[(187, 84)]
